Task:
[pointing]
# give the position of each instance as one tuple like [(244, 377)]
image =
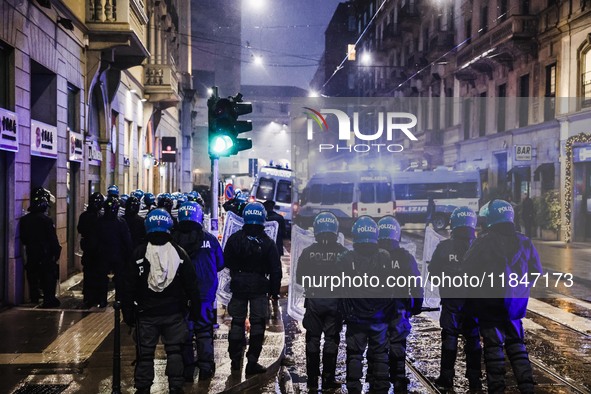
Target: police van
[(348, 195), (274, 183), (449, 189)]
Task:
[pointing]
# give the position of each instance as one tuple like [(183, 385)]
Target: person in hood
[(454, 320), (499, 309), (366, 311), (207, 257), (161, 284), (255, 271)]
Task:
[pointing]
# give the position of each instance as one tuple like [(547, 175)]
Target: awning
[(546, 168), (523, 172)]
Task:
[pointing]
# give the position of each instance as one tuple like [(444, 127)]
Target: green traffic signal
[(224, 126)]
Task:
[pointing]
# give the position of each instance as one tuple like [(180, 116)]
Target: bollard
[(116, 385)]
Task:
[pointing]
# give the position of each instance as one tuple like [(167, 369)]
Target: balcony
[(515, 36), (161, 85), (393, 34), (409, 13), (440, 44), (119, 26), (415, 62)]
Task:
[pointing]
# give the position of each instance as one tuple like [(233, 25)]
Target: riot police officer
[(207, 257), (149, 201), (87, 227), (502, 251), (255, 270), (408, 300), (135, 223), (114, 248), (367, 310), (273, 216), (113, 191), (454, 320), (160, 283), (164, 201), (322, 315), (42, 249)]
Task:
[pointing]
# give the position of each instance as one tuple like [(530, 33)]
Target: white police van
[(274, 183)]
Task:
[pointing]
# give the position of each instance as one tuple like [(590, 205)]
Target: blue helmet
[(254, 213), (497, 211), (365, 231), (191, 211), (138, 193), (158, 221), (149, 199), (164, 200), (113, 190), (463, 217), (326, 222), (389, 228)]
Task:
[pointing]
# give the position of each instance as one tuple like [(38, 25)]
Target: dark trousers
[(202, 331), (172, 329), (49, 276), (322, 317), (34, 280), (96, 282), (528, 226), (398, 331), (510, 336), (238, 308), (375, 338), (454, 323)]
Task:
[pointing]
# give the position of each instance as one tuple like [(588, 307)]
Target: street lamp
[(365, 59)]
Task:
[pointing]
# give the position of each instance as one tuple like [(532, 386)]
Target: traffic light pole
[(215, 196)]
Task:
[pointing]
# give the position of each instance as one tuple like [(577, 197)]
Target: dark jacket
[(255, 266), (206, 255), (402, 263), (37, 234), (448, 260), (527, 210), (114, 240), (501, 250), (87, 228), (366, 305), (137, 229), (139, 300), (319, 260)]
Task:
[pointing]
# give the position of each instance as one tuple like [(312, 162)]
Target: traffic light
[(224, 125)]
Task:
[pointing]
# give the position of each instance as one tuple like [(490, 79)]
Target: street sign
[(229, 191), (253, 167), (522, 152)]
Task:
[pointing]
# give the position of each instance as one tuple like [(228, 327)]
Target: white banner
[(43, 139), (432, 239), (8, 130), (232, 224)]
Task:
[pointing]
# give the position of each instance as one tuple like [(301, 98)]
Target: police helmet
[(164, 200), (43, 192), (365, 230), (325, 222), (195, 196), (96, 201), (149, 199), (158, 221), (123, 199), (111, 206), (180, 201), (497, 211), (113, 190), (132, 205), (191, 211), (254, 213), (39, 204), (138, 193), (463, 217), (389, 228)]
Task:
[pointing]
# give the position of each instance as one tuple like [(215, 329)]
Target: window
[(586, 78), (483, 20), (383, 192), (426, 39), (468, 31), (283, 108), (523, 103), (467, 112), (550, 101), (502, 93), (284, 192), (366, 193), (4, 80), (449, 108), (73, 108), (482, 115), (337, 193), (502, 10), (266, 189)]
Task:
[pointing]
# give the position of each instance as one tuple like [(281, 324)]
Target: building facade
[(498, 86), (88, 92)]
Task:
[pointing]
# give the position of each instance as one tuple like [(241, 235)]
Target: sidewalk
[(70, 350)]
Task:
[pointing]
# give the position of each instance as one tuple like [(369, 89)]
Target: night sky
[(288, 35)]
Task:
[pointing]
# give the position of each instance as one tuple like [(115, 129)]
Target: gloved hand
[(417, 306)]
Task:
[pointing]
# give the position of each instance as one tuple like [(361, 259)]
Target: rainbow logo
[(317, 117)]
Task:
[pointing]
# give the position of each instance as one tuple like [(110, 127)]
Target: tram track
[(422, 378), (573, 387)]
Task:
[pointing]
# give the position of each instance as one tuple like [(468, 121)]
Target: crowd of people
[(165, 272)]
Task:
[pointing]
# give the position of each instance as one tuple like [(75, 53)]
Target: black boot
[(329, 366), (312, 370), (253, 368)]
